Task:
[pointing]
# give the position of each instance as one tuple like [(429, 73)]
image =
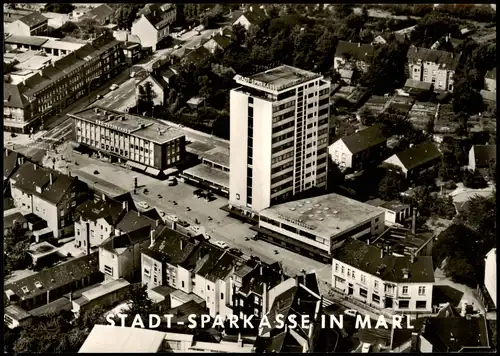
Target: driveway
[(462, 194)]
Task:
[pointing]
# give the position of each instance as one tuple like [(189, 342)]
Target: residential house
[(120, 256), (490, 80), (160, 79), (489, 97), (355, 150), (433, 66), (417, 160), (12, 160), (393, 284), (395, 211), (252, 282), (454, 334), (95, 220), (52, 283), (482, 157), (34, 24), (56, 20), (253, 17), (196, 56), (296, 297), (101, 14), (58, 85), (346, 75), (217, 42), (154, 26), (350, 55), (77, 13), (490, 275), (49, 195)]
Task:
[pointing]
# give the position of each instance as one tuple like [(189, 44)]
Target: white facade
[(378, 293), (340, 154), (429, 72), (159, 98), (243, 21), (148, 33), (394, 160), (490, 274), (291, 149), (98, 232)]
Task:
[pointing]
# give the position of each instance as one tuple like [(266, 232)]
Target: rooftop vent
[(97, 110), (326, 208), (319, 212), (38, 285), (25, 289), (321, 219), (292, 209), (301, 205), (335, 212), (317, 205), (309, 209), (53, 280), (311, 215), (308, 202)]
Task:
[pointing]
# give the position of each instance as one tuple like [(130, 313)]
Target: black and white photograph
[(249, 178)]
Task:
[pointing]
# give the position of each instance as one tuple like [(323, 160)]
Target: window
[(155, 279), (146, 272), (363, 278), (362, 292), (376, 298), (78, 232), (342, 270), (348, 272), (421, 290), (208, 287), (336, 264), (405, 289), (421, 304), (375, 285), (353, 274), (108, 270), (182, 284), (404, 304), (222, 296)]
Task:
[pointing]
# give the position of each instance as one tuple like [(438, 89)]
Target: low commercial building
[(49, 195), (392, 284), (402, 242), (417, 160), (116, 339), (395, 211), (51, 284), (33, 43), (105, 294), (56, 47), (355, 150), (317, 226), (140, 142)]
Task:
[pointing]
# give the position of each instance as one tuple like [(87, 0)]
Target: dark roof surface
[(364, 139), (56, 277), (445, 60), (118, 244), (454, 333), (491, 74), (359, 51), (484, 153), (108, 209), (10, 162), (419, 154), (133, 220), (171, 246), (28, 40), (417, 84), (99, 13), (33, 19), (27, 179), (390, 268), (13, 97), (222, 41)]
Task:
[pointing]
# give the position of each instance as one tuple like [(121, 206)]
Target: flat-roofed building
[(104, 294), (57, 47), (142, 143), (25, 42), (317, 226), (280, 119)]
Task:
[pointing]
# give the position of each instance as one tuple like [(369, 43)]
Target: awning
[(152, 171), (136, 165), (169, 171)]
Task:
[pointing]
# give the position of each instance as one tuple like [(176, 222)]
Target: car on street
[(143, 204), (236, 251), (162, 213), (206, 236), (113, 87), (221, 244), (183, 223), (99, 97), (172, 218), (351, 312), (96, 172), (197, 229), (172, 181)]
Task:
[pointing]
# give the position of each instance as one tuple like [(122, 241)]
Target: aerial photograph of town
[(249, 178)]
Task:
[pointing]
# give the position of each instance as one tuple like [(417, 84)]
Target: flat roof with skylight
[(326, 216)]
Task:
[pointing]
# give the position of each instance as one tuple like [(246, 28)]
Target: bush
[(474, 180), (450, 185)]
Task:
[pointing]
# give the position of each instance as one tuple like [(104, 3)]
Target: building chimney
[(51, 178), (157, 222), (103, 197), (125, 206), (414, 341), (70, 296), (381, 253), (34, 166), (182, 244), (359, 44), (296, 281), (6, 153), (463, 310), (152, 236), (87, 237), (138, 213), (251, 8), (414, 221), (20, 161), (412, 257)]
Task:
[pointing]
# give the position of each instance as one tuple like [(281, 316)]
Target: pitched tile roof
[(10, 162), (364, 139), (417, 84), (119, 244), (13, 96), (483, 154), (359, 51), (108, 209), (99, 13), (388, 267), (27, 179), (454, 333), (133, 220), (445, 60), (222, 41), (255, 17), (171, 246), (418, 155), (33, 19), (55, 277)]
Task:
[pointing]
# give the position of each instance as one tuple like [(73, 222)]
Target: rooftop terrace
[(278, 78)]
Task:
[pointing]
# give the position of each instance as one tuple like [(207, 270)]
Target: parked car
[(99, 97), (173, 218), (177, 47), (162, 213), (183, 223), (172, 181), (236, 251), (143, 204), (113, 87), (221, 244)]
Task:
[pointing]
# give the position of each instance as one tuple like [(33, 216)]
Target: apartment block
[(280, 119), (51, 89), (433, 66), (138, 141), (393, 284)]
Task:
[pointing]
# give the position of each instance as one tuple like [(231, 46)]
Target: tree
[(367, 116), (465, 98), (474, 180), (146, 98), (391, 184), (59, 8), (205, 86), (239, 33), (480, 215)]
